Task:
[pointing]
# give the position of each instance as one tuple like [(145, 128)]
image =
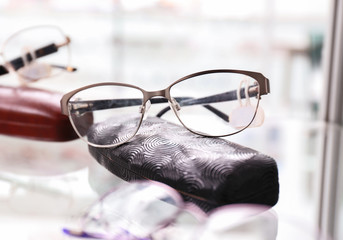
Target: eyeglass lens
[(106, 109), (217, 104), (148, 207)]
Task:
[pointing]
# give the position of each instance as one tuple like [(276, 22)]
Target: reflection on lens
[(216, 104), (138, 209), (106, 115)]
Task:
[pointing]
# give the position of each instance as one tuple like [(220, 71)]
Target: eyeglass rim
[(264, 88), (7, 67), (65, 110)]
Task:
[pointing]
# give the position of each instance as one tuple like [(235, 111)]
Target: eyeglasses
[(134, 210), (35, 53), (213, 103), (148, 210)]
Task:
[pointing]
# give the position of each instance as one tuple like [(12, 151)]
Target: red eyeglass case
[(33, 114), (209, 172)]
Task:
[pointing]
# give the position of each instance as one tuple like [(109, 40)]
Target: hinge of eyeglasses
[(175, 104), (254, 90), (80, 108), (145, 107)]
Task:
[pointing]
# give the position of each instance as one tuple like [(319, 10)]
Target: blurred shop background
[(152, 43)]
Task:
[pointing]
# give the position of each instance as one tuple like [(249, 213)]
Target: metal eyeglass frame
[(80, 107), (19, 62)]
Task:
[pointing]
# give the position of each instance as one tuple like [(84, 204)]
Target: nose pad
[(144, 108), (242, 115), (175, 106)]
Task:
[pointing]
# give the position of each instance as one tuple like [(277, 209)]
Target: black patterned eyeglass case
[(209, 172)]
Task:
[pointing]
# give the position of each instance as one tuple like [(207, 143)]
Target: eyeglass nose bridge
[(147, 95), (160, 93)]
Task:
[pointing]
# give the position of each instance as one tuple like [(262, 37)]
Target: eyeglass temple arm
[(18, 63), (227, 96), (208, 107), (81, 107), (222, 97)]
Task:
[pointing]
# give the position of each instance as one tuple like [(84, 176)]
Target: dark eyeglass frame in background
[(17, 63)]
